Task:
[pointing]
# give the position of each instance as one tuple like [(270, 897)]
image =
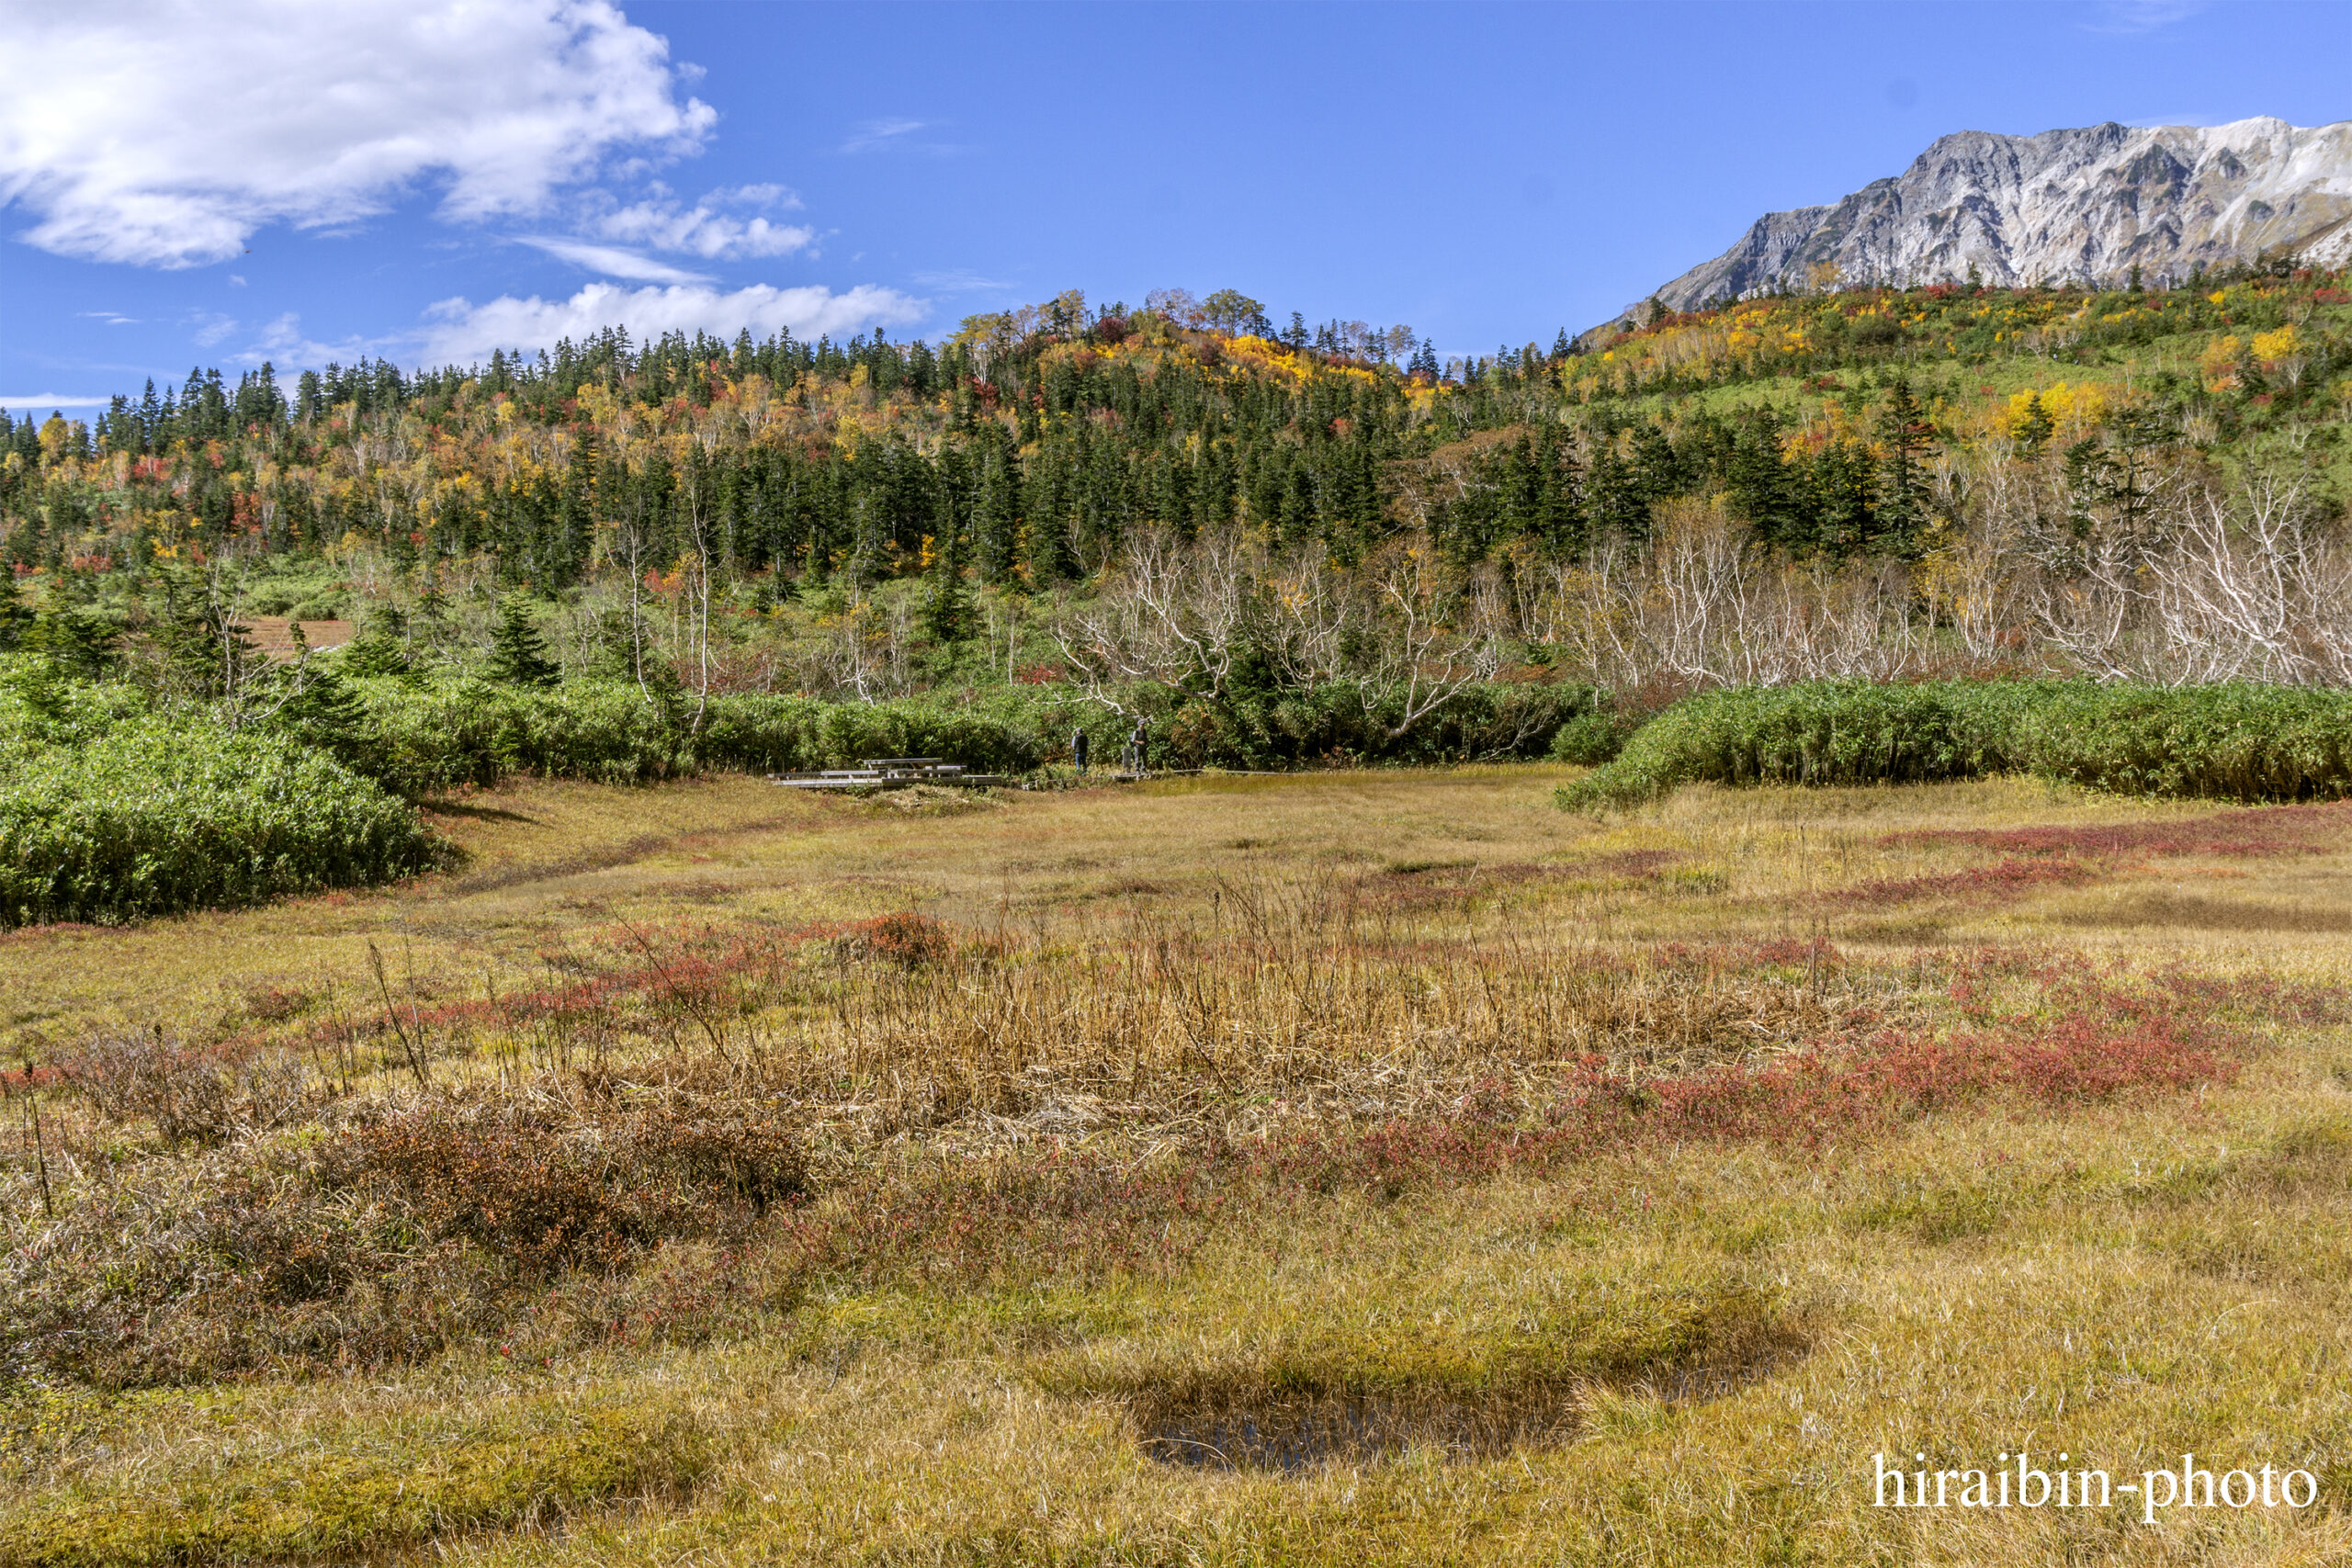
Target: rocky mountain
[(2066, 206)]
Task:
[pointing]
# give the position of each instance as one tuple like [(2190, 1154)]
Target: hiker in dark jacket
[(1077, 749)]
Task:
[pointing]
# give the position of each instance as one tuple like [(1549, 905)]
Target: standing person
[(1138, 747), (1078, 749)]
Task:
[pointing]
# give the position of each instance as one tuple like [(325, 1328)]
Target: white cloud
[(705, 230), (164, 132), (2126, 16), (53, 400), (962, 282), (873, 135), (211, 327), (462, 332), (614, 261), (283, 343), (898, 135)]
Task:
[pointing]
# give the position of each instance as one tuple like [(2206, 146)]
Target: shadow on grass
[(1206, 1426), (476, 812)]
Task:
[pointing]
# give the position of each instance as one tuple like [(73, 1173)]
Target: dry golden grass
[(1008, 1311)]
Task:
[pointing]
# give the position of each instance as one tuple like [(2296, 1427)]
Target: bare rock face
[(2064, 206)]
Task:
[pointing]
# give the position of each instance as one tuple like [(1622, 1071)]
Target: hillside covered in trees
[(1031, 445), (1183, 497)]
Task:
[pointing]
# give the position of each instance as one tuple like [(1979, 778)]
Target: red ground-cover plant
[(679, 971), (1984, 884), (2227, 835), (2263, 998), (1628, 862), (906, 938), (2076, 856), (2090, 1037), (513, 1184)]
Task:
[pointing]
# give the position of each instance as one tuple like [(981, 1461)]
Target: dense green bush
[(115, 804), (1591, 738), (784, 734), (1333, 723), (2235, 742), (40, 708), (419, 739), (154, 816)]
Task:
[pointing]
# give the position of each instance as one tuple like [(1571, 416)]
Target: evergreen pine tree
[(1903, 431), (2032, 432), (15, 617), (517, 657), (317, 707), (947, 607), (382, 646), (2138, 434), (208, 653)]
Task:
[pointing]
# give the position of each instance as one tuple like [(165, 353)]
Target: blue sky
[(222, 182)]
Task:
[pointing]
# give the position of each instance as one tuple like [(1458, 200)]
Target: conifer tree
[(517, 657), (15, 616), (947, 607), (382, 646), (1903, 431), (2032, 432), (318, 706)]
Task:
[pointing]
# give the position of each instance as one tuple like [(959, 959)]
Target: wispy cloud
[(893, 135), (960, 282), (612, 261), (53, 400), (876, 135), (2125, 17), (211, 327), (111, 317)]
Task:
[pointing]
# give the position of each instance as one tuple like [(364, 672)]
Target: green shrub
[(785, 734), (421, 737), (1591, 738), (418, 738), (152, 817), (1825, 732), (40, 708), (2233, 742), (2237, 742)]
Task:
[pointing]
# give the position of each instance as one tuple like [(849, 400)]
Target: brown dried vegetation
[(1497, 1165)]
